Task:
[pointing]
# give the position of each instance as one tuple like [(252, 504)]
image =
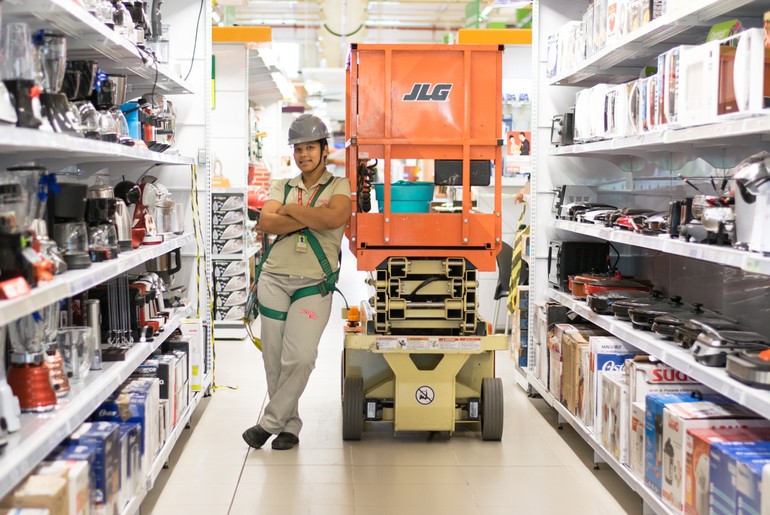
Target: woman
[(308, 214)]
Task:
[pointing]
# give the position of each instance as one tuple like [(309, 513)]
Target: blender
[(19, 73), (66, 216), (52, 60), (19, 250), (28, 375), (54, 359)]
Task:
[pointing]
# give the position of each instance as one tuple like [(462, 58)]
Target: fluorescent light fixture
[(284, 86)]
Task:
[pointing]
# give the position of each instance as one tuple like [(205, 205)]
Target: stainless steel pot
[(168, 264), (122, 221)]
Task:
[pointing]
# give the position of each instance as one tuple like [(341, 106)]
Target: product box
[(585, 406), (192, 330), (647, 377), (608, 354), (104, 437), (726, 458), (547, 316), (677, 420), (615, 414), (653, 431), (24, 511), (228, 246), (130, 463), (555, 352), (570, 373), (224, 202), (698, 443), (46, 492), (636, 440), (232, 314), (228, 232), (78, 478), (224, 269), (86, 454), (752, 485)]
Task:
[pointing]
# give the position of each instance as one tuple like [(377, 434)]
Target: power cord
[(195, 41)]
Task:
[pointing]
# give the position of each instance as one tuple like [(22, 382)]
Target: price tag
[(753, 265)]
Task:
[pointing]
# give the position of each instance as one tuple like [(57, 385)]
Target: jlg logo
[(421, 91)]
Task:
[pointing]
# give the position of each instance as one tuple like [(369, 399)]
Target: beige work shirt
[(284, 257)]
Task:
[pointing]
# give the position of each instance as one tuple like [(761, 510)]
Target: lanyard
[(313, 197)]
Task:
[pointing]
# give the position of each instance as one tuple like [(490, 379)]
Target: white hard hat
[(307, 127)]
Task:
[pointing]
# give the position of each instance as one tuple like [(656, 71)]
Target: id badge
[(301, 243)]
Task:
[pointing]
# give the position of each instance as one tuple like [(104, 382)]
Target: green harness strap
[(330, 277)]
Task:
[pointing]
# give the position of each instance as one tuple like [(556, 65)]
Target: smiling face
[(308, 156)]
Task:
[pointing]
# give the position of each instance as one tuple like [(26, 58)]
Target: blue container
[(131, 112), (406, 197)]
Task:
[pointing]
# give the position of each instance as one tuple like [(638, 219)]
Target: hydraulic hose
[(366, 175)]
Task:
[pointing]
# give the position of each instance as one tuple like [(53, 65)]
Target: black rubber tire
[(492, 409), (353, 408)]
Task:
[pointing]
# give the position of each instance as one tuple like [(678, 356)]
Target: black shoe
[(285, 441), (256, 436)]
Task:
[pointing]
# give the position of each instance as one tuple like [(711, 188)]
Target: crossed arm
[(277, 218)]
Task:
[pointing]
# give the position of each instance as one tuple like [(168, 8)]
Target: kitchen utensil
[(602, 302), (562, 129), (711, 348), (644, 316), (103, 242), (87, 73), (89, 120), (48, 247), (169, 263), (108, 127), (72, 239), (686, 334), (112, 92), (621, 308), (577, 283), (29, 379), (18, 61), (122, 221), (94, 321), (616, 282), (76, 344)]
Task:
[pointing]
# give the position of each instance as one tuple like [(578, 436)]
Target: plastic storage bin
[(406, 197)]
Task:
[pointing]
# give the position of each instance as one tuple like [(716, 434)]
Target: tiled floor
[(536, 469)]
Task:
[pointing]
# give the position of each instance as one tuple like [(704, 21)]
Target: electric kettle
[(752, 203)]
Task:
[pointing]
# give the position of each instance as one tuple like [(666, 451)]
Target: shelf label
[(753, 265)]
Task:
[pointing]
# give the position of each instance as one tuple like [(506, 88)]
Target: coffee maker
[(79, 81), (66, 216), (100, 216)]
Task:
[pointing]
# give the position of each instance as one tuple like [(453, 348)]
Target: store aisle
[(536, 469)]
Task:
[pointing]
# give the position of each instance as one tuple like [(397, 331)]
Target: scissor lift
[(420, 356)]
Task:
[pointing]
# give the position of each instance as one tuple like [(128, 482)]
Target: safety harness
[(328, 285)]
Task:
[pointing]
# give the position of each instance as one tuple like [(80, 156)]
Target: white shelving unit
[(724, 142), (76, 281), (88, 38), (41, 433), (721, 255), (690, 23), (726, 132), (714, 377), (649, 497)]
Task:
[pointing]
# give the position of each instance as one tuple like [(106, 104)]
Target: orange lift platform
[(416, 353)]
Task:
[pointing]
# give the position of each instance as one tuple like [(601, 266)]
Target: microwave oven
[(751, 72), (706, 79)]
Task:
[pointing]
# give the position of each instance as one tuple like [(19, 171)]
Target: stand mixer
[(152, 196), (28, 375)]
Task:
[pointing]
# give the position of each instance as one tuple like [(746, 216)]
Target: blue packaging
[(653, 431), (79, 452), (104, 437), (723, 472), (749, 477), (131, 112)]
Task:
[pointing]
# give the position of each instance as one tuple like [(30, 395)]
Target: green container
[(406, 197)]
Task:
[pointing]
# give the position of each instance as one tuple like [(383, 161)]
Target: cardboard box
[(84, 453), (103, 436), (608, 354), (570, 372), (752, 485), (46, 492), (130, 463), (677, 419), (615, 413), (723, 465), (192, 330), (555, 353), (636, 439), (78, 478), (653, 432), (585, 405), (698, 443), (24, 511), (547, 316), (647, 377)]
